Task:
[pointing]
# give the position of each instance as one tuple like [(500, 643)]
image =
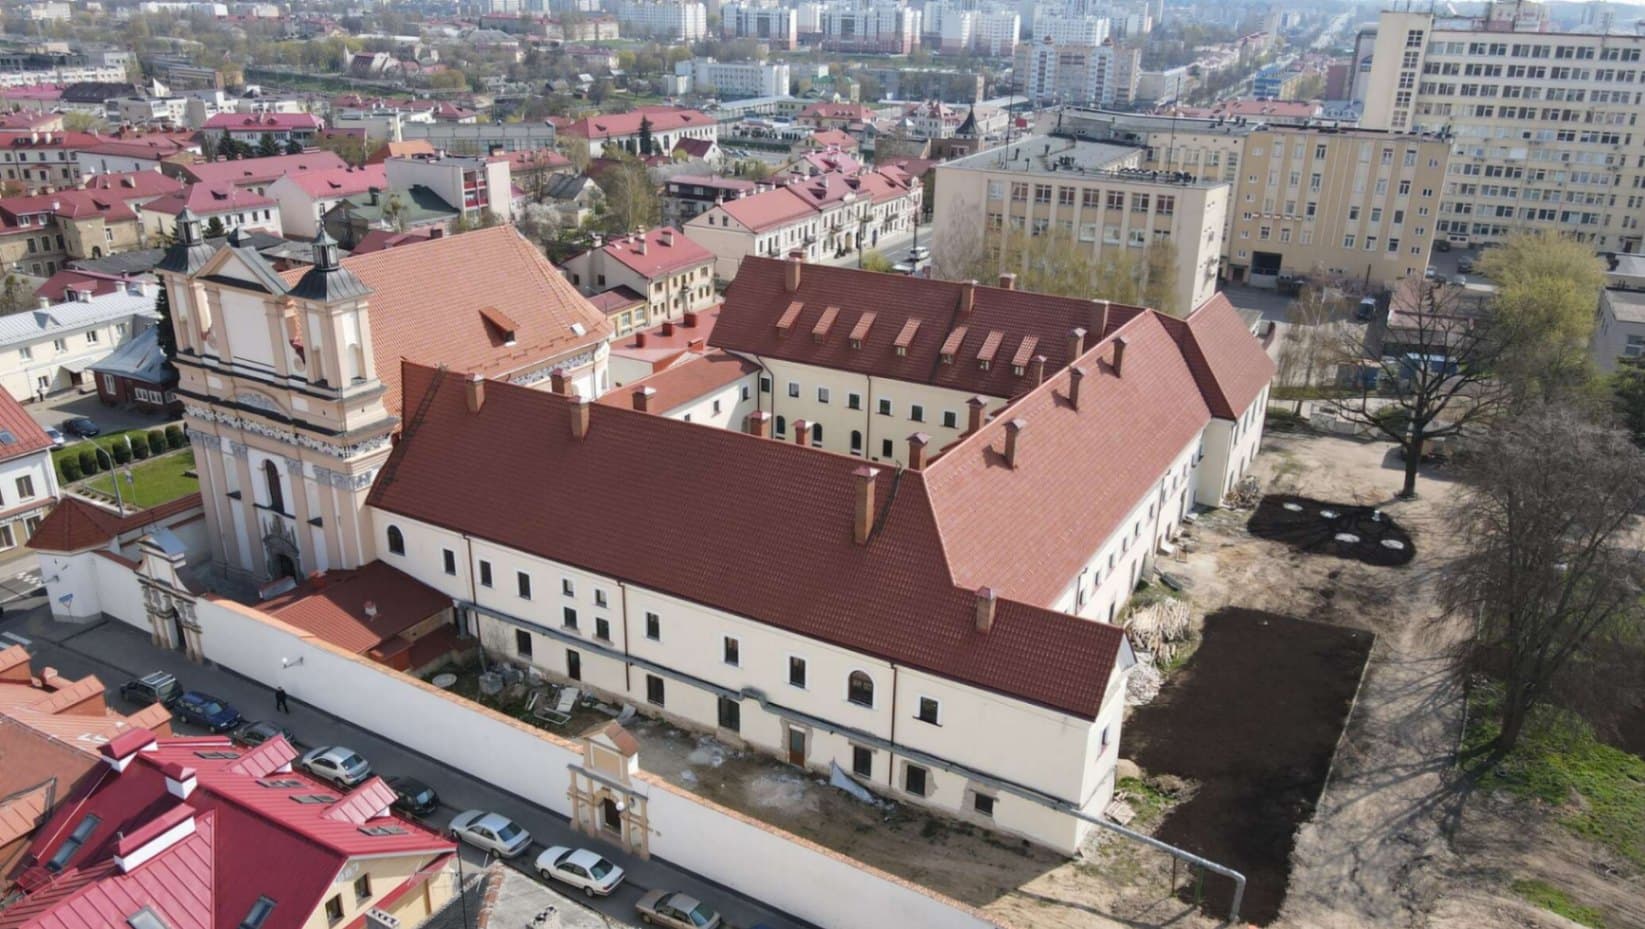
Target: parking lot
[(56, 409)]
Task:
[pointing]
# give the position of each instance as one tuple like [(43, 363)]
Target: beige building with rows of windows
[(1344, 201), (1097, 195), (1542, 124)]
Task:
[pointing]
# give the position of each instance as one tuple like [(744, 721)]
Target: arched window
[(782, 426), (396, 541), (271, 477), (816, 433), (859, 689), (856, 442)]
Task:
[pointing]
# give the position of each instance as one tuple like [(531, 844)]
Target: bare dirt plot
[(1360, 533), (1253, 721)]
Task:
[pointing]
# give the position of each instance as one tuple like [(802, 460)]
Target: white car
[(339, 766), (918, 253), (490, 831), (581, 868)]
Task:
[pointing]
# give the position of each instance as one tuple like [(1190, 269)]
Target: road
[(894, 247), (116, 653)]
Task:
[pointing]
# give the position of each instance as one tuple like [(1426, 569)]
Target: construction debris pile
[(1157, 631)]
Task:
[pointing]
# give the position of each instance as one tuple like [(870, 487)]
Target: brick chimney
[(642, 398), (476, 392), (968, 298), (639, 340), (557, 381), (802, 432), (1038, 367), (579, 417), (987, 600), (863, 514), (1076, 343), (689, 320), (1119, 355), (668, 327), (1008, 281), (1076, 376), (977, 406), (759, 424), (1013, 441), (791, 275), (916, 450)]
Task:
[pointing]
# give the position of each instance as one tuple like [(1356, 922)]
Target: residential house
[(1619, 335), (123, 153), (644, 352), (478, 187), (47, 350), (845, 116), (41, 162), (417, 212), (258, 174), (203, 832), (610, 133), (687, 195), (675, 274), (573, 196), (40, 234), (138, 375), (50, 730), (222, 208), (305, 198), (28, 479), (251, 128)]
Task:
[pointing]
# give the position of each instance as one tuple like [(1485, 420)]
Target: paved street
[(893, 247), (56, 408), (116, 653)]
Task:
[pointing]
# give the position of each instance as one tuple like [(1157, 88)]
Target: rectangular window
[(523, 582), (930, 711), (362, 887), (853, 401), (25, 486), (567, 587), (885, 406), (573, 664), (983, 804), (793, 389), (862, 761), (602, 629), (653, 627), (522, 643), (765, 385), (916, 413), (599, 598), (731, 651), (950, 419), (731, 715), (450, 560), (822, 394), (485, 574), (82, 832), (886, 449), (796, 672), (334, 909), (654, 689), (913, 780), (569, 618), (258, 914)]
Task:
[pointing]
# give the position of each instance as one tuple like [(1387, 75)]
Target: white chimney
[(371, 609), (153, 839), (180, 780)]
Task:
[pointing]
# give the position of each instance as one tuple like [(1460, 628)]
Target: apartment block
[(1079, 74), (663, 19), (775, 25), (1541, 124), (885, 28)]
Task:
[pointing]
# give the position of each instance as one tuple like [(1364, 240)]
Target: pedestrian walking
[(280, 700)]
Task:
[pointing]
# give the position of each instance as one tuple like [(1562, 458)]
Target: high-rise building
[(1541, 123), (665, 19), (1082, 75), (888, 28), (776, 25)]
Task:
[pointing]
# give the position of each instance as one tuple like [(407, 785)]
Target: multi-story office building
[(773, 24), (735, 79), (1541, 123), (1350, 202), (1095, 194)]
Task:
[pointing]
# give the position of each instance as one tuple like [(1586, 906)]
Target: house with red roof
[(200, 833), (43, 232), (131, 151), (219, 206), (250, 128), (36, 161), (50, 730), (610, 133), (843, 116), (256, 174), (304, 198), (674, 274), (687, 195), (28, 480)]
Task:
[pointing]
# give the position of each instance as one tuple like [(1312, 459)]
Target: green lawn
[(1554, 900), (152, 482), (106, 440), (1596, 791)]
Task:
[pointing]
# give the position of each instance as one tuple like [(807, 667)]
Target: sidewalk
[(116, 653)]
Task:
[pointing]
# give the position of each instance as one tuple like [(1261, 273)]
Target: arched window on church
[(271, 477), (397, 542)]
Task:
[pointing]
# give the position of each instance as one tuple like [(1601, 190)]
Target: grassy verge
[(153, 482), (107, 441), (1554, 900), (1597, 792)]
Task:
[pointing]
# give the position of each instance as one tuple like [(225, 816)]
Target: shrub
[(175, 436), (88, 461), (70, 468), (122, 453), (104, 461), (140, 450), (157, 441)]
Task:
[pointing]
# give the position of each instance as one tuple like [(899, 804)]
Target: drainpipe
[(1174, 852), (891, 767)]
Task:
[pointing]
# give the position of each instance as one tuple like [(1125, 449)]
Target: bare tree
[(1312, 336), (1426, 375), (1549, 558)]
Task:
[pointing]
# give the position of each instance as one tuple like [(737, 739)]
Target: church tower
[(282, 402)]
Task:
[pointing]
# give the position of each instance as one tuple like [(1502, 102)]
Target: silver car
[(334, 764), (580, 867), (677, 911), (493, 832)]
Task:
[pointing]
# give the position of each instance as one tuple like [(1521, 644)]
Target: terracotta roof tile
[(689, 380), (334, 606), (662, 118), (77, 524), (1230, 365), (658, 252), (26, 435)]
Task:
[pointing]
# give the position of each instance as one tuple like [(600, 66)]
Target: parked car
[(206, 711), (677, 911), (1367, 309), (56, 436), (580, 868), (1465, 265), (490, 831), (919, 253), (413, 797), (82, 426), (259, 732), (336, 765), (157, 687), (1442, 245)]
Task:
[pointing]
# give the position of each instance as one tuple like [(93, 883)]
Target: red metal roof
[(769, 209), (665, 251), (251, 840), (263, 122), (209, 199), (247, 171), (662, 119), (775, 515), (27, 436)]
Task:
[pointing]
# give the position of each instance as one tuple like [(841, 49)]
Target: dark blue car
[(206, 711)]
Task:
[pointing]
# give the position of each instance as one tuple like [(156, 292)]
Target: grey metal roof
[(140, 359), (34, 325)]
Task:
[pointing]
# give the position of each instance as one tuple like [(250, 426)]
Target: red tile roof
[(133, 185), (342, 182), (658, 252), (154, 147), (774, 515), (333, 606), (401, 150), (769, 209), (662, 119), (77, 524), (55, 139), (1230, 364), (378, 239), (208, 200), (251, 840), (92, 283), (27, 436), (755, 299), (251, 171), (685, 382), (425, 307), (854, 111)]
